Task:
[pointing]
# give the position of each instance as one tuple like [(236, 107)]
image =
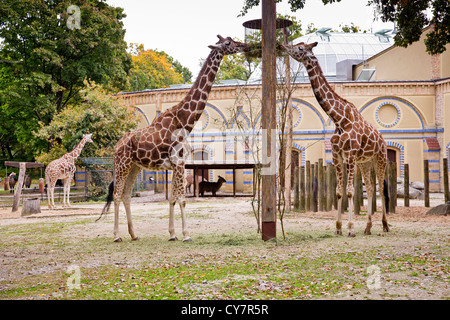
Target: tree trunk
[(31, 206), (18, 188)]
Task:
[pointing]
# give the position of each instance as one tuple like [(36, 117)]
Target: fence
[(315, 187)]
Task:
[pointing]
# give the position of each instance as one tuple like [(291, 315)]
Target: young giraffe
[(162, 144), (355, 141), (63, 168)]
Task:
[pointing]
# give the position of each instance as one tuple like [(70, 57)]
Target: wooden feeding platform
[(253, 37)]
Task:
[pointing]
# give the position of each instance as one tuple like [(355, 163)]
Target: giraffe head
[(229, 46), (300, 51)]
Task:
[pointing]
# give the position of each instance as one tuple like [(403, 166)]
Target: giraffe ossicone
[(64, 168), (162, 145), (354, 142)]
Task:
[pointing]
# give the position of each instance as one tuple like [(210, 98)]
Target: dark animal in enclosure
[(12, 181), (211, 186), (27, 181)]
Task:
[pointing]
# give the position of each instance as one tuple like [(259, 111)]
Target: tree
[(48, 49), (411, 18), (153, 69), (104, 115), (410, 15)]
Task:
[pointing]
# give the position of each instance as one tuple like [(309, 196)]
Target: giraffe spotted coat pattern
[(63, 168), (354, 142), (162, 145)]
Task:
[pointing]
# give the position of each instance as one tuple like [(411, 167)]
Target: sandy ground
[(223, 215)]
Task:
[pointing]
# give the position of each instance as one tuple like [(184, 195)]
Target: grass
[(311, 263), (229, 267)]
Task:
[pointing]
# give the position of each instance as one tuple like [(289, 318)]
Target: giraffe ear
[(220, 37), (312, 45)]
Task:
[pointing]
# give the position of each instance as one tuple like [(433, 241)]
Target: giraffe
[(354, 142), (162, 145), (63, 168)]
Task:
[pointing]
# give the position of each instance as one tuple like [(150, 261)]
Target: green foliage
[(105, 116), (43, 63), (411, 18)]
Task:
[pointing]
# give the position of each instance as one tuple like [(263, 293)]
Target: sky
[(185, 28)]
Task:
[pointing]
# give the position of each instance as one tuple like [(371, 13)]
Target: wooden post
[(357, 194), (302, 188), (308, 186), (268, 111), (329, 186), (406, 184), (392, 187), (167, 184), (320, 185), (446, 191), (315, 173), (234, 182), (334, 185), (426, 183), (31, 206), (296, 189), (18, 187)]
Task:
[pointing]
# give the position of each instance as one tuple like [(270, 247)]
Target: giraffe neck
[(75, 153), (194, 103), (324, 93)]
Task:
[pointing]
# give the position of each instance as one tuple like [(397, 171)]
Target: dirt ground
[(411, 230)]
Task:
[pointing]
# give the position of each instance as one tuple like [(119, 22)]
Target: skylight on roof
[(365, 75)]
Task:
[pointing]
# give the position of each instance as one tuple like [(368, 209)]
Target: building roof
[(335, 47)]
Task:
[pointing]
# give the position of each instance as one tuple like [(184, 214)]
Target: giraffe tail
[(109, 200), (386, 195)]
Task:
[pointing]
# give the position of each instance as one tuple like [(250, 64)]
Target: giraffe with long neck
[(64, 168), (354, 142), (162, 145)]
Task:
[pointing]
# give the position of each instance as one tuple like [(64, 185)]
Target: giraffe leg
[(126, 198), (339, 191), (119, 184), (177, 195), (367, 176), (51, 192), (66, 192), (380, 171), (69, 182), (350, 193)]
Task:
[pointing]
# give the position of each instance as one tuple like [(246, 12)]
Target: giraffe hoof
[(351, 234), (119, 239), (338, 232), (173, 239), (135, 239), (187, 240), (367, 232)]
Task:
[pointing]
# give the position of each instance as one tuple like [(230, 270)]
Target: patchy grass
[(227, 260)]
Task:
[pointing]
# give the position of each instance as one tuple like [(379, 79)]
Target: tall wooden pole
[(269, 188)]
